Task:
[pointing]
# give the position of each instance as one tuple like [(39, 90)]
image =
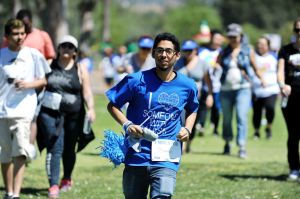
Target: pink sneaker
[(53, 191), (65, 185)]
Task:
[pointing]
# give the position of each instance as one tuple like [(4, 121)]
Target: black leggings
[(292, 121), (72, 125), (267, 103)]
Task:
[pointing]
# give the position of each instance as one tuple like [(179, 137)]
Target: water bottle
[(284, 101), (87, 125)]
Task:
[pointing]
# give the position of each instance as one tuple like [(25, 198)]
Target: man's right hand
[(135, 131)]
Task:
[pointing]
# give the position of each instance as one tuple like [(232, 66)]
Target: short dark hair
[(24, 13), (12, 24), (267, 40), (167, 36), (214, 32), (295, 22)]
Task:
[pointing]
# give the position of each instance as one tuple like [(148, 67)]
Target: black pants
[(259, 104), (202, 112), (293, 126), (72, 126)]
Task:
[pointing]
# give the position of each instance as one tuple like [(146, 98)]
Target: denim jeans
[(55, 144), (137, 179), (240, 100)]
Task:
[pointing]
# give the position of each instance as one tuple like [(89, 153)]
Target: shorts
[(14, 142)]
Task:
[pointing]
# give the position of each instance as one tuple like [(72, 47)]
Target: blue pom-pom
[(113, 147)]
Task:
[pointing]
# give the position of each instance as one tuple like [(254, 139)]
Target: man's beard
[(162, 69)]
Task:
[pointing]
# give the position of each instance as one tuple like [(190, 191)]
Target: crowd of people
[(46, 96)]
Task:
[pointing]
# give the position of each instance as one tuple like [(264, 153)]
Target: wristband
[(126, 125), (187, 130), (281, 84)]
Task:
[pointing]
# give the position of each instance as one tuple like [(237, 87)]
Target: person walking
[(142, 59), (264, 97), (289, 83), (22, 70), (209, 55), (62, 114), (190, 65), (156, 100), (236, 60), (40, 40)]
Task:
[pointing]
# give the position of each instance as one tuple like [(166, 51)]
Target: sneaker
[(65, 185), (215, 132), (200, 129), (256, 135), (294, 175), (6, 196), (268, 133), (53, 191), (227, 149), (242, 153)]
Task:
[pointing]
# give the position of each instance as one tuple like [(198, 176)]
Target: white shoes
[(294, 175)]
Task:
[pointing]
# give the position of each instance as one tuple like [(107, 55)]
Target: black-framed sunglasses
[(146, 49), (187, 51), (169, 51), (296, 30), (67, 45)]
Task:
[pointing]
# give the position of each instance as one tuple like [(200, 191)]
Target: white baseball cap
[(69, 39)]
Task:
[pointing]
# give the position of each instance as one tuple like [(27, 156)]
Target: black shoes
[(268, 133), (227, 149), (256, 135)]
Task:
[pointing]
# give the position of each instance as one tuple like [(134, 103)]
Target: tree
[(184, 21), (106, 21), (53, 15)]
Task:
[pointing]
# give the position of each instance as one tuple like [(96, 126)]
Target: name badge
[(166, 150), (295, 59)]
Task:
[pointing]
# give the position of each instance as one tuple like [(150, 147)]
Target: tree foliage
[(256, 16), (184, 21)]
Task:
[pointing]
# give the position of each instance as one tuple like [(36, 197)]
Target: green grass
[(204, 173)]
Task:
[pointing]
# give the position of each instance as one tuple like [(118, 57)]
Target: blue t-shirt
[(158, 105)]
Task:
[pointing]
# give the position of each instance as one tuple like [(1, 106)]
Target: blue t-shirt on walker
[(157, 105)]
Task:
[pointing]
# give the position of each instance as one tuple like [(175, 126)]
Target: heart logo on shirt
[(167, 100)]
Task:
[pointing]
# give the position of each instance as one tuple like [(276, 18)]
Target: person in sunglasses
[(156, 98), (288, 75), (141, 60), (62, 114), (190, 65)]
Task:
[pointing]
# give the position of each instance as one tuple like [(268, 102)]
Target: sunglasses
[(296, 30), (146, 49), (68, 45)]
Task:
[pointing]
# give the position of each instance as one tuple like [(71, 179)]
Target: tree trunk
[(106, 21), (53, 15)]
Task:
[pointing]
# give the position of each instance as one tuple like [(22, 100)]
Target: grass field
[(204, 173)]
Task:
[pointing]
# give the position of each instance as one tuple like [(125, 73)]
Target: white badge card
[(166, 150), (295, 59)]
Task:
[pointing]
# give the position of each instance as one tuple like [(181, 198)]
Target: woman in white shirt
[(264, 97)]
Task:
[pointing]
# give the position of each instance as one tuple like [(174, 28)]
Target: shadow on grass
[(31, 191), (235, 177), (207, 153), (90, 154)]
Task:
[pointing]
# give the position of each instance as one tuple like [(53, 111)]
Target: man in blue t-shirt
[(156, 99)]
